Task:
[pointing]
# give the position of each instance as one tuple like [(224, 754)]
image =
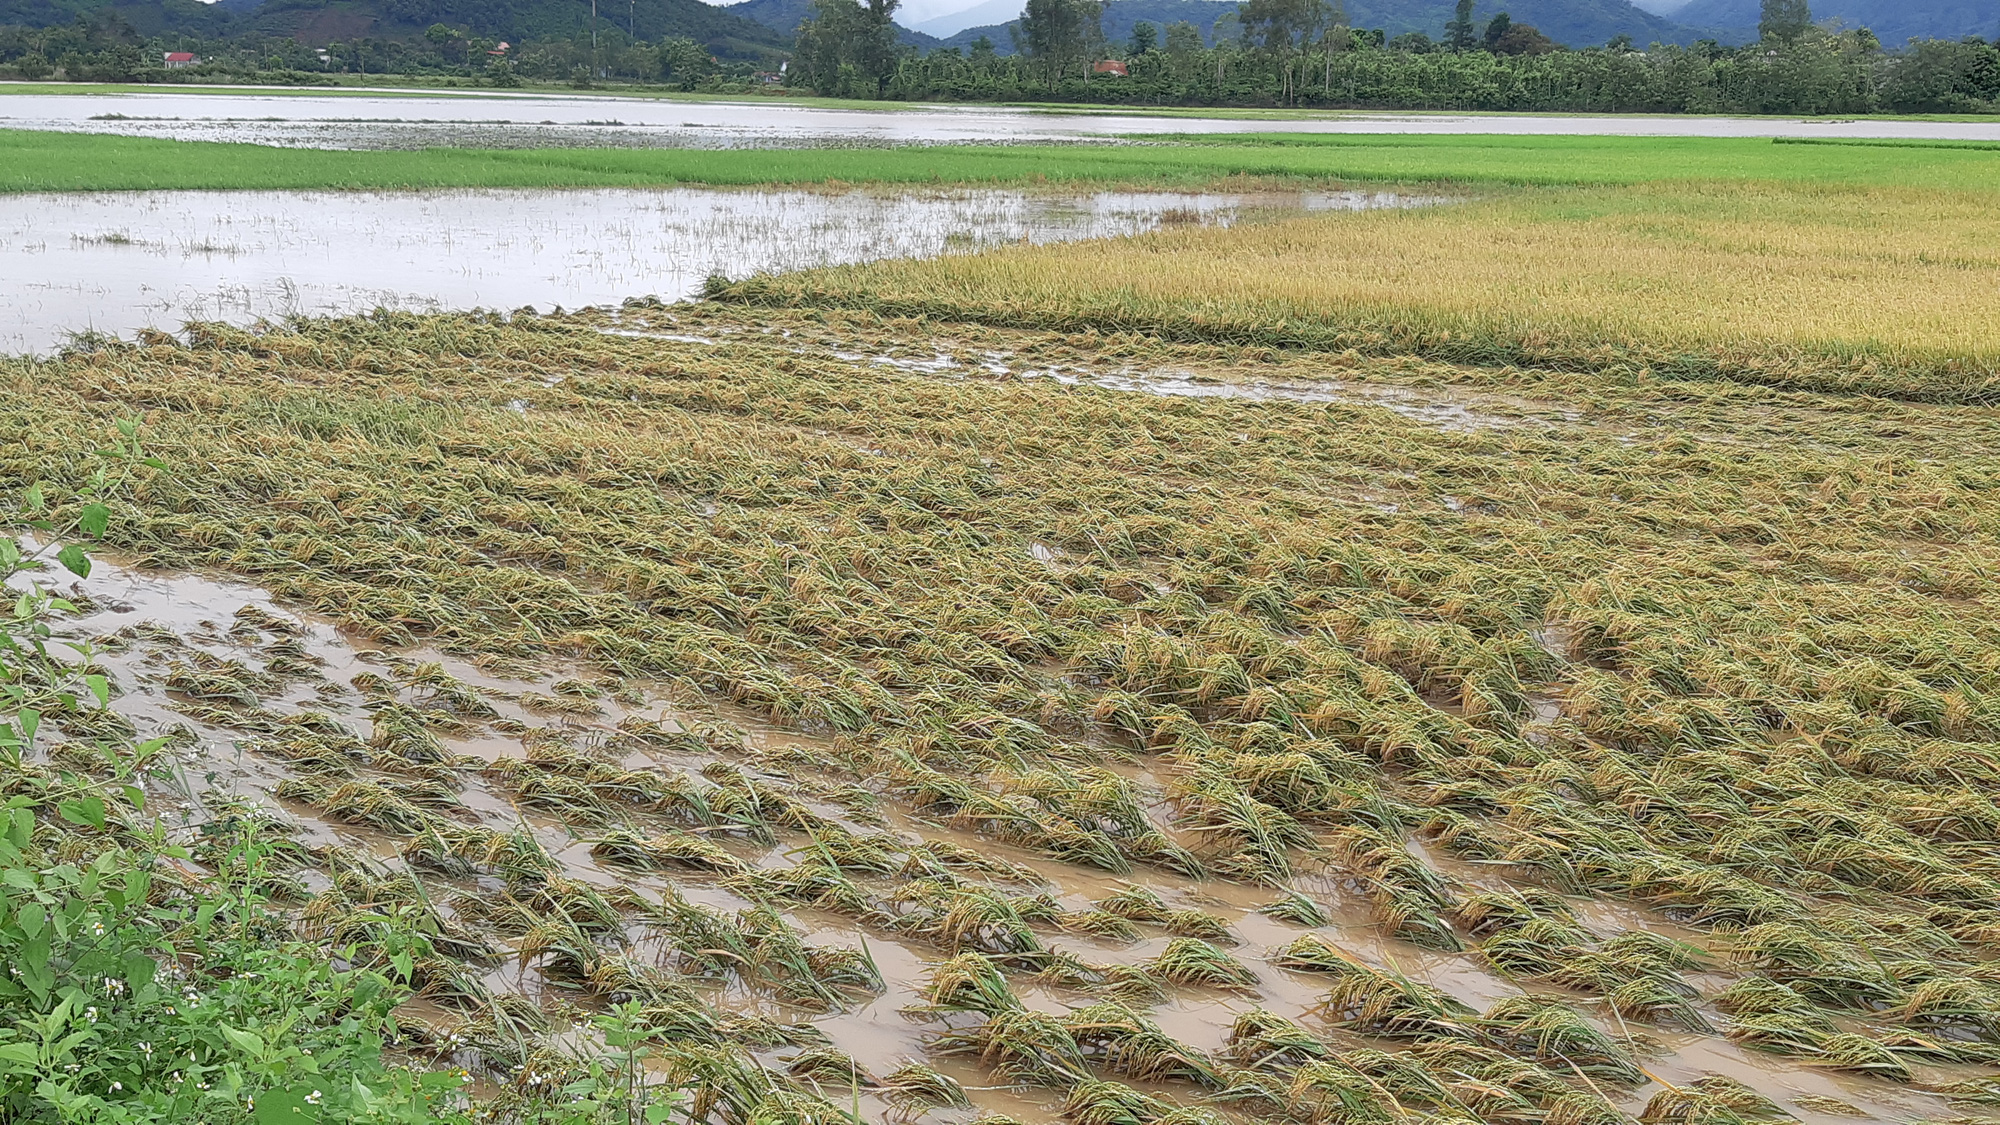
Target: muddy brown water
[(156, 619)]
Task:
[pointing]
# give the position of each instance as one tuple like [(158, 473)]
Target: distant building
[(176, 60), (1109, 66), (500, 49)]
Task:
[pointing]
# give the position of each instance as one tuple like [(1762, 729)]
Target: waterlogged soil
[(144, 628), (117, 262), (838, 433), (356, 121), (1002, 355)]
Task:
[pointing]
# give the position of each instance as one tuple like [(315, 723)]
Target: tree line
[(1305, 53), (1268, 53), (106, 48)]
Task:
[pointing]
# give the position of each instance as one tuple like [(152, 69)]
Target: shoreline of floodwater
[(116, 263)]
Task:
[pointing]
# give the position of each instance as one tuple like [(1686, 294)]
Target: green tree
[(1496, 28), (1183, 49), (1338, 39), (1458, 34), (1284, 29), (848, 47), (1783, 21), (1145, 37), (1936, 76), (685, 62), (1060, 36), (1519, 39)]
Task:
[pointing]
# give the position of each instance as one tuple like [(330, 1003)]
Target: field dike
[(947, 721)]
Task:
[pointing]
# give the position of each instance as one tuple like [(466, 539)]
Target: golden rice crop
[(1887, 290), (1380, 634)]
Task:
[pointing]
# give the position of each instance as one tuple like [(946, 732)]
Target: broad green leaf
[(93, 520), (32, 917), (249, 1042), (88, 811), (74, 560)]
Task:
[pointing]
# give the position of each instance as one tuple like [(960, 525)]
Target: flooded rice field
[(956, 719), (416, 120), (116, 262), (663, 824)]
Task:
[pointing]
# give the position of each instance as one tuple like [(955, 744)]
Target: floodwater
[(1451, 409), (383, 119), (116, 262), (151, 627)]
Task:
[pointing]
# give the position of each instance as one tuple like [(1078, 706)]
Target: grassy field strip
[(46, 161)]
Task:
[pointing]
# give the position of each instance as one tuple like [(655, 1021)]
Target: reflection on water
[(561, 120), (117, 262)]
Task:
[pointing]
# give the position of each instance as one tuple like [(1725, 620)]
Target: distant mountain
[(983, 14), (147, 17), (324, 21), (1119, 18), (1892, 21), (784, 16), (721, 31), (778, 15), (1574, 23)]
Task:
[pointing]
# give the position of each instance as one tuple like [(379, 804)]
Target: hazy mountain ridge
[(759, 27), (1575, 23), (784, 16), (1892, 21), (321, 21)]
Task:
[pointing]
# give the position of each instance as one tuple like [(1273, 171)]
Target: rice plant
[(1193, 961), (982, 640)]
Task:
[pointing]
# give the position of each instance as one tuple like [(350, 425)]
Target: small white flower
[(313, 1098), (146, 1049), (117, 1086), (90, 1014), (97, 929)]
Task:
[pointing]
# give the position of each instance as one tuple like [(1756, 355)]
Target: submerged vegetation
[(1457, 740)]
